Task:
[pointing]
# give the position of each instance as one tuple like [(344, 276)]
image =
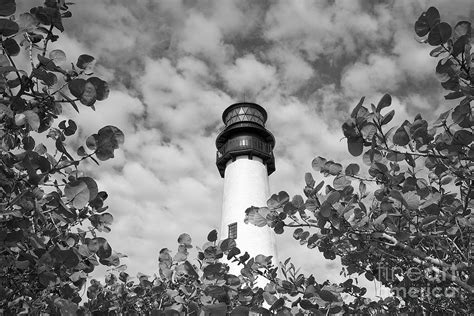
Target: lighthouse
[(245, 160)]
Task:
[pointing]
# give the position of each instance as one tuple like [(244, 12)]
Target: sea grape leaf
[(212, 236), (81, 191), (76, 87), (439, 34), (33, 119), (355, 145), (256, 216), (318, 163), (227, 244), (309, 180), (47, 77), (8, 27), (11, 47), (7, 7), (58, 56), (352, 169), (101, 88), (108, 139), (333, 168), (432, 16), (462, 28), (384, 102), (387, 118), (89, 95), (184, 239), (401, 137), (84, 61)]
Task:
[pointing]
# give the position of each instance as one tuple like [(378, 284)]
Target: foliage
[(411, 213), (416, 220), (50, 211), (209, 287), (405, 217)]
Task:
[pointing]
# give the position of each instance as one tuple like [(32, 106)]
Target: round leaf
[(395, 156), (11, 47), (318, 163), (462, 28), (91, 185), (101, 88), (7, 7), (84, 61), (33, 119), (227, 244), (385, 101), (333, 168), (58, 56), (327, 296), (333, 197), (89, 95), (256, 216), (352, 169), (184, 239), (106, 218), (308, 178), (368, 130), (440, 34), (27, 21), (432, 16), (297, 233), (463, 137), (81, 151), (340, 182), (279, 303), (401, 137), (212, 236), (78, 193), (91, 142), (47, 77), (77, 86), (104, 251), (421, 26), (81, 191), (28, 143), (355, 146), (108, 139), (8, 27)]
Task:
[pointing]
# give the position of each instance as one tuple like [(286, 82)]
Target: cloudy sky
[(174, 66)]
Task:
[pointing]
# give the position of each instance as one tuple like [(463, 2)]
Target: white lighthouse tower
[(245, 160)]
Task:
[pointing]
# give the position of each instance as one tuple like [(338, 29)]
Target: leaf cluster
[(50, 211), (409, 206)]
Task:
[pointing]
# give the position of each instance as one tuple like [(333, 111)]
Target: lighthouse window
[(233, 231)]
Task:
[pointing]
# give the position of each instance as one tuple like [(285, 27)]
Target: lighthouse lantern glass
[(244, 113)]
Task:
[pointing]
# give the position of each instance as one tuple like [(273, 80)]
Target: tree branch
[(423, 259)]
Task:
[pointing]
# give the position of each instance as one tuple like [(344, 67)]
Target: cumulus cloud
[(248, 74), (202, 37), (377, 73), (294, 71)]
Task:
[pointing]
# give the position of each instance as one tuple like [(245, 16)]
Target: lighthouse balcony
[(245, 146)]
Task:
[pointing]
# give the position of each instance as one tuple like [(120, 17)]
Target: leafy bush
[(46, 251), (418, 219), (413, 232)]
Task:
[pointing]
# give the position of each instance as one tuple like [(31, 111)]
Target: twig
[(425, 260)]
